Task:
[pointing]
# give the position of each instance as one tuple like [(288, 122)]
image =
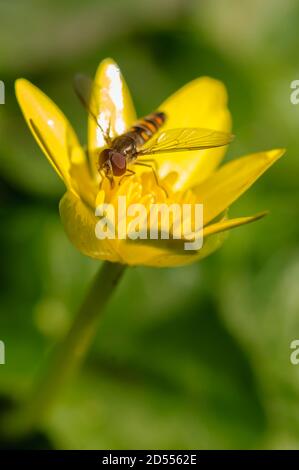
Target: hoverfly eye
[(118, 162), (104, 157)]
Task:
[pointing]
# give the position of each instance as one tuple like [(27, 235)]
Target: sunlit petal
[(200, 103), (114, 107), (227, 184), (231, 223), (49, 125), (168, 253), (79, 222)]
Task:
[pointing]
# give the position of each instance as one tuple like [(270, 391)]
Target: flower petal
[(200, 103), (79, 222), (231, 223), (49, 126), (111, 103), (227, 184), (168, 253)]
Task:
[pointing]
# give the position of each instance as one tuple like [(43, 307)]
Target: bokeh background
[(193, 357)]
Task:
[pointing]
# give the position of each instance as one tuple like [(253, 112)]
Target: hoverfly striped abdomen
[(146, 127), (129, 142)]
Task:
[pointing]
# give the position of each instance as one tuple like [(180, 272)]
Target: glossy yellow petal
[(49, 126), (79, 222), (227, 184), (111, 103), (200, 103), (167, 253), (82, 182), (228, 224)]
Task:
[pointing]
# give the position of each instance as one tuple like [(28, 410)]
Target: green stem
[(68, 355)]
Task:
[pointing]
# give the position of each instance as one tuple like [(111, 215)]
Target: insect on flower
[(143, 139), (117, 142)]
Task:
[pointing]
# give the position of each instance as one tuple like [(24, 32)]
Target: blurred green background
[(194, 357)]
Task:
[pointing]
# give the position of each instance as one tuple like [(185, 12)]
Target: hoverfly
[(143, 139)]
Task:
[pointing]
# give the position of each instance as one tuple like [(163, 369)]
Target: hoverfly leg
[(102, 175), (131, 173), (154, 172), (109, 177), (112, 183)]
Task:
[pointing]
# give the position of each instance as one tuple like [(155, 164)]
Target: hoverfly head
[(112, 163), (118, 163), (104, 162)]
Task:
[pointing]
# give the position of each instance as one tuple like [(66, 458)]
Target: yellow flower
[(189, 177)]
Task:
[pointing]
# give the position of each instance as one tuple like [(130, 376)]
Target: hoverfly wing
[(87, 93), (189, 138)]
